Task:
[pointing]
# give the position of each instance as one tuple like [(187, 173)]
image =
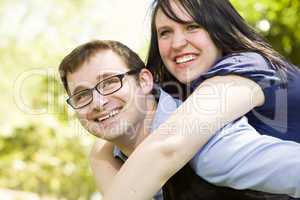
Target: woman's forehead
[(175, 12)]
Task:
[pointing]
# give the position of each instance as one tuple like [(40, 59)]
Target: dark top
[(278, 117), (280, 114)]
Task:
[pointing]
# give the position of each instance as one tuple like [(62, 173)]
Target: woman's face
[(186, 49)]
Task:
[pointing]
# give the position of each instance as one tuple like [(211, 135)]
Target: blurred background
[(43, 149)]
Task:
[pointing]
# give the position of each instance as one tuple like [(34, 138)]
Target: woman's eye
[(163, 33), (192, 27)]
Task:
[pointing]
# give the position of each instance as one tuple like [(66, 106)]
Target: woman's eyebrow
[(190, 22), (160, 28)]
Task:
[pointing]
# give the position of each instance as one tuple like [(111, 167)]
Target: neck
[(139, 131)]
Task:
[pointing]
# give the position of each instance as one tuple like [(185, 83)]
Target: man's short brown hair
[(84, 52)]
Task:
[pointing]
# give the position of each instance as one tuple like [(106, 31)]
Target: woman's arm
[(215, 103), (103, 164), (241, 158)]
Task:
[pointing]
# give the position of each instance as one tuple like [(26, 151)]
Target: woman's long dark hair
[(227, 29)]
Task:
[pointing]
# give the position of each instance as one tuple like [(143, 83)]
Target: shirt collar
[(165, 107)]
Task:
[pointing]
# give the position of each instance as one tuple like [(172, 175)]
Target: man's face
[(113, 116)]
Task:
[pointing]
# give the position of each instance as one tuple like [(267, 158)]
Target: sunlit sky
[(126, 21)]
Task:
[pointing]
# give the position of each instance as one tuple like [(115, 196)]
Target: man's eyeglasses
[(105, 87)]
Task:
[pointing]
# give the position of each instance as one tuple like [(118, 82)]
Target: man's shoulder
[(165, 107), (163, 95)]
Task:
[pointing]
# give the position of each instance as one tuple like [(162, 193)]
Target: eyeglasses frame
[(120, 76)]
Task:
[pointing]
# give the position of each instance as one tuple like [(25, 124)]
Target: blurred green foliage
[(42, 148), (34, 158), (282, 17)]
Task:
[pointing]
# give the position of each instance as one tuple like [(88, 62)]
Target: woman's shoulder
[(249, 65), (251, 60), (243, 63)]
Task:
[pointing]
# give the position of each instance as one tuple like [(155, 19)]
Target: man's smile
[(108, 115)]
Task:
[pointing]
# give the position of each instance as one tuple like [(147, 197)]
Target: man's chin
[(109, 134)]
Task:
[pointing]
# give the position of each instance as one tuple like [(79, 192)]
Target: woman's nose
[(179, 40)]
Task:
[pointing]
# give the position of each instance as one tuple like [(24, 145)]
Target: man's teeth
[(109, 115), (184, 59)]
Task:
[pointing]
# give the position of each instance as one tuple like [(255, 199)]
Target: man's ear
[(146, 80)]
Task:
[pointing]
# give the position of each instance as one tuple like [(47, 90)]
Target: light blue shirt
[(165, 107), (239, 157)]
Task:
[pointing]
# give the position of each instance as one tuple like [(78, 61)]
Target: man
[(119, 109), (114, 99)]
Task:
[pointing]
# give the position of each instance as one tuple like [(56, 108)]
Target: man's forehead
[(105, 63), (100, 66)]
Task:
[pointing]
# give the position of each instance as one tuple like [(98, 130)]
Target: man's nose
[(98, 100), (179, 40)]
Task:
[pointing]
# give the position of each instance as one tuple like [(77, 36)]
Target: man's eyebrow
[(106, 75), (79, 88), (99, 78)]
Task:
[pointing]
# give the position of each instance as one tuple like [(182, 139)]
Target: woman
[(207, 45), (228, 46)]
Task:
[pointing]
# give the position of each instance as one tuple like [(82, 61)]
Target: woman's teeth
[(109, 115), (184, 59)]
